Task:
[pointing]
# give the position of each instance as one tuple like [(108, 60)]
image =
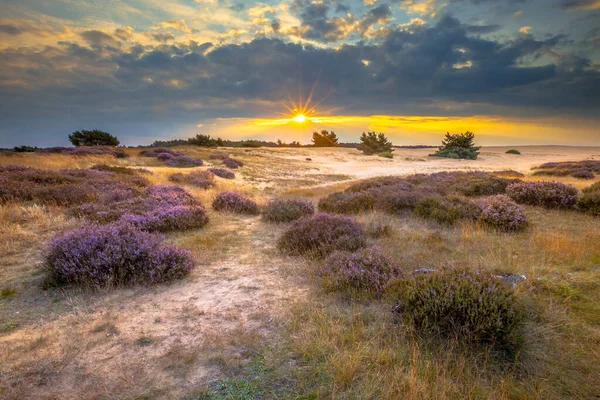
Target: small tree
[(460, 145), (205, 141), (374, 143), (325, 139), (93, 138)]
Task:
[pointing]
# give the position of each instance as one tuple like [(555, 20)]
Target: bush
[(235, 202), (93, 138), (114, 168), (169, 218), (463, 305), (155, 152), (222, 173), (590, 201), (373, 143), (447, 211), (583, 173), (502, 213), (287, 210), (206, 141), (232, 163), (83, 151), (546, 194), (25, 149), (325, 139), (513, 151), (386, 154), (218, 156), (184, 162), (460, 145), (347, 202), (113, 255), (578, 169), (201, 179), (367, 270), (164, 156), (321, 234)]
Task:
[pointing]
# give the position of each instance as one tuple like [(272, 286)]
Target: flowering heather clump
[(222, 173), (184, 162), (218, 156), (321, 234), (164, 156), (113, 255), (502, 213), (366, 270), (447, 211), (590, 201), (114, 168), (159, 208), (235, 202), (65, 187), (583, 173), (468, 306), (201, 179), (546, 194), (287, 210), (232, 163), (83, 151), (347, 202), (156, 151), (578, 169), (397, 199)]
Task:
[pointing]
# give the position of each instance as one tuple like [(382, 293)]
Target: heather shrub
[(347, 202), (582, 173), (287, 210), (234, 202), (82, 151), (154, 152), (164, 156), (447, 211), (546, 194), (114, 255), (201, 179), (594, 188), (169, 218), (114, 168), (222, 173), (590, 201), (184, 162), (396, 200), (501, 213), (461, 304), (232, 163), (366, 270), (321, 234), (585, 169)]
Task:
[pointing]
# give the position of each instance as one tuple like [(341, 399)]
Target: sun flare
[(300, 118)]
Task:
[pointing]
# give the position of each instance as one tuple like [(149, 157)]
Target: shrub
[(184, 162), (582, 173), (222, 173), (287, 210), (159, 150), (325, 139), (82, 151), (367, 270), (321, 234), (585, 169), (232, 163), (234, 202), (206, 141), (460, 145), (114, 168), (93, 138), (590, 201), (25, 149), (113, 255), (386, 154), (447, 211), (513, 151), (169, 218), (546, 194), (347, 202), (378, 227), (218, 156), (502, 213), (164, 156), (201, 179), (373, 143), (468, 306)]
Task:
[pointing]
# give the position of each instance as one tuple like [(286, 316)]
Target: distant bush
[(222, 173), (206, 141), (367, 270), (155, 152), (232, 163), (184, 162), (583, 173), (201, 179), (501, 213), (93, 138), (114, 255), (322, 234), (347, 202), (169, 218), (464, 305), (460, 145), (546, 194), (325, 139), (251, 143), (513, 151), (25, 149), (83, 151), (375, 143), (115, 169), (586, 169), (164, 156), (235, 202), (218, 156), (287, 210), (508, 173), (447, 211), (386, 154)]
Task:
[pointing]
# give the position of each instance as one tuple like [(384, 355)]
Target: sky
[(512, 71)]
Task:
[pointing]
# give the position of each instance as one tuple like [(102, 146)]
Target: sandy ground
[(201, 324)]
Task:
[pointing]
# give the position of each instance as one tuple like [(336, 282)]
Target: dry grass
[(260, 321)]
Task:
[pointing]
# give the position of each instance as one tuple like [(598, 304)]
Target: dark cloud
[(377, 15), (579, 4), (162, 37), (10, 30), (409, 72), (275, 25), (482, 29), (98, 39)]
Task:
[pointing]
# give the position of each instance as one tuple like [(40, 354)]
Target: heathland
[(241, 301)]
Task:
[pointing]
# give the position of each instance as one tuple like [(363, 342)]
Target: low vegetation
[(235, 203), (545, 194), (460, 145), (287, 210), (587, 169), (222, 173)]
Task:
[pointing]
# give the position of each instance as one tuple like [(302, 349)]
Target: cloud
[(9, 29), (525, 30), (99, 39), (180, 25), (572, 5)]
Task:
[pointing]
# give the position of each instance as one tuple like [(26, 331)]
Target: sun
[(300, 118)]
